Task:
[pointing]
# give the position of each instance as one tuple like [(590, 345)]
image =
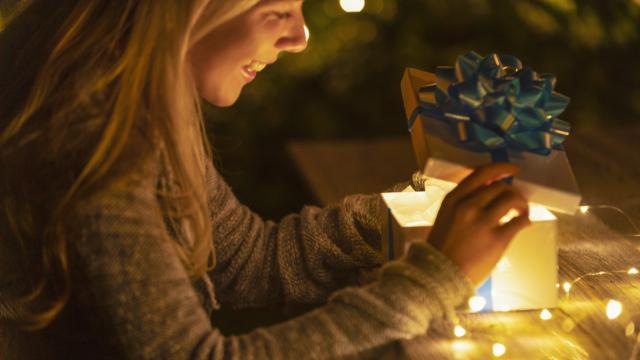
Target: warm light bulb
[(499, 349), (545, 314), (459, 331), (352, 5), (630, 329), (632, 271), (566, 286), (584, 209), (477, 303), (306, 33), (614, 309)]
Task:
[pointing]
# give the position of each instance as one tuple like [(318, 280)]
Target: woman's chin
[(223, 100)]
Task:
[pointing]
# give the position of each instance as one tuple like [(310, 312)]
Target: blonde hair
[(114, 89)]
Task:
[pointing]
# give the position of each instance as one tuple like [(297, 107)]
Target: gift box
[(524, 278), (491, 109)]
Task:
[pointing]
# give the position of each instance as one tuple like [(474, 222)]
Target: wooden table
[(596, 244)]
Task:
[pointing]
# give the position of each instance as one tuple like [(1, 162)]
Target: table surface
[(597, 248)]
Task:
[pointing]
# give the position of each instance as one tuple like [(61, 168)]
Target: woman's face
[(231, 56)]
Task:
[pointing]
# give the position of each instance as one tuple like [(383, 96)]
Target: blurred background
[(346, 84)]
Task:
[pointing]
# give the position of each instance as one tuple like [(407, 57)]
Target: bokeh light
[(477, 303), (499, 349), (352, 5), (459, 331), (614, 309), (545, 314)]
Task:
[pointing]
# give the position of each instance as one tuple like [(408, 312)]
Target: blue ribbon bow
[(496, 104)]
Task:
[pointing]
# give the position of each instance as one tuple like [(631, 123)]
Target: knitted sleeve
[(130, 278), (301, 259)]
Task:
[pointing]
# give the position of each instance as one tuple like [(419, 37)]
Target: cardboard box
[(525, 277), (546, 180)]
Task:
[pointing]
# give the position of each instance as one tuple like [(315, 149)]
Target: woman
[(118, 237)]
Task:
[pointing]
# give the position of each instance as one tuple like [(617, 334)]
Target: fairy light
[(545, 314), (630, 329), (566, 286), (585, 208), (477, 303), (499, 349), (352, 5), (632, 271), (459, 331), (614, 309)]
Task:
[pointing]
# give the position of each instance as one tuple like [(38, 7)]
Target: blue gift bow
[(497, 104)]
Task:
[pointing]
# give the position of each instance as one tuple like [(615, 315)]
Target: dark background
[(346, 84)]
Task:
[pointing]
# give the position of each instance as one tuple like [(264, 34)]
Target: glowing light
[(614, 309), (632, 271), (306, 33), (566, 286), (499, 349), (568, 325), (545, 314), (477, 303), (557, 285), (584, 209), (459, 331), (352, 5), (630, 329)]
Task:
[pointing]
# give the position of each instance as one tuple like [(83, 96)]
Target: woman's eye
[(279, 15)]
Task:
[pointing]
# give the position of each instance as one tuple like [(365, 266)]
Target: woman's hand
[(467, 229)]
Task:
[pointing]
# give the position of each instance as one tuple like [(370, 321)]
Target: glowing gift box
[(524, 278), (491, 109)]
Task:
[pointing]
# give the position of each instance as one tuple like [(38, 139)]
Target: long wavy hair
[(89, 90)]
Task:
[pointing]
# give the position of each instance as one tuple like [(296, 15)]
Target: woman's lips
[(250, 71)]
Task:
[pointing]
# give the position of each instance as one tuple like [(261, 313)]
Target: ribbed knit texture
[(132, 298)]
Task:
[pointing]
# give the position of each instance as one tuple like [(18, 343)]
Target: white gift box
[(524, 278)]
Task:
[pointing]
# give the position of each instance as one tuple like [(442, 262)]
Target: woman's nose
[(295, 39)]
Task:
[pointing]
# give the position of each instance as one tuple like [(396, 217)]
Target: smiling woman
[(118, 237), (231, 55)]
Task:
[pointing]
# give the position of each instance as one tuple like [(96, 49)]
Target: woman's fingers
[(505, 201), (484, 196), (481, 177), (510, 229)]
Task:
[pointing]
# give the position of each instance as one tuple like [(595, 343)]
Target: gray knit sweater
[(133, 299)]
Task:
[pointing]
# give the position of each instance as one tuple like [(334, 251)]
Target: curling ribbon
[(496, 104)]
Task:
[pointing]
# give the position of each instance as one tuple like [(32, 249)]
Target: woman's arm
[(303, 258), (128, 277)]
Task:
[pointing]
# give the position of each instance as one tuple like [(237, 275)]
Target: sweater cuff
[(433, 271)]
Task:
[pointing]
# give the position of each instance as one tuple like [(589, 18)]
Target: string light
[(459, 331), (630, 329), (585, 208), (614, 309), (499, 349), (352, 5), (477, 303), (545, 314)]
